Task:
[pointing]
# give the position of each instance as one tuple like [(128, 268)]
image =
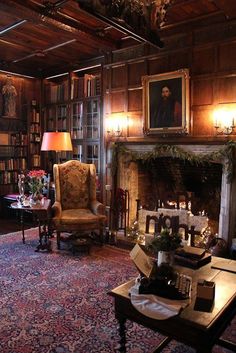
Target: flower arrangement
[(35, 181), (166, 241)]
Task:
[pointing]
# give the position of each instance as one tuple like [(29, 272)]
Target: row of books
[(77, 123), (92, 151), (35, 127), (8, 177), (7, 151), (77, 133), (92, 132), (20, 151), (12, 164), (62, 125), (86, 86), (13, 151), (34, 148), (19, 139), (35, 116), (92, 106), (62, 111), (77, 109), (57, 92), (35, 160), (77, 152)]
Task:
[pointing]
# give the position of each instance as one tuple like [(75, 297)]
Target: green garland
[(159, 150)]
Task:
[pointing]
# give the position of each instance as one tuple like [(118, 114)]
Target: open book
[(143, 262)]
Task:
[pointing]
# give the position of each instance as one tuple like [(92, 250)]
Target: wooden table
[(198, 329), (43, 214)]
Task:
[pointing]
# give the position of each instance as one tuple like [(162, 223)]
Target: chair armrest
[(97, 207), (56, 209)]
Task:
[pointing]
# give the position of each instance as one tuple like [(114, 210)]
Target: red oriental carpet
[(57, 302)]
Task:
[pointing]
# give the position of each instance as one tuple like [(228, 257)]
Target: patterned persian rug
[(57, 302)]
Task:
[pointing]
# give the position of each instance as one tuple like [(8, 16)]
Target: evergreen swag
[(160, 150)]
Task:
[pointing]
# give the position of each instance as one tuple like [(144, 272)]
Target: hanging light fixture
[(140, 19), (155, 9)]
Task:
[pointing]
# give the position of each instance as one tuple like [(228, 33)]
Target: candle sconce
[(115, 127), (224, 122), (115, 133)]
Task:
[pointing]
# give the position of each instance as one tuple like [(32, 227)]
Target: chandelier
[(139, 17)]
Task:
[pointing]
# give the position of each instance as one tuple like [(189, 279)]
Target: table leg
[(122, 329), (22, 226), (44, 242)]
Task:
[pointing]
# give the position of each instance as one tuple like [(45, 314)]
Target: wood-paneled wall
[(208, 52)]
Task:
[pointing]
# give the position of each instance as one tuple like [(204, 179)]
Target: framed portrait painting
[(166, 103)]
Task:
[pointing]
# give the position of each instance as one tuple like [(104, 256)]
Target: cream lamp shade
[(56, 141)]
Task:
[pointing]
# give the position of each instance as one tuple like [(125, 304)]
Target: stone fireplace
[(135, 177)]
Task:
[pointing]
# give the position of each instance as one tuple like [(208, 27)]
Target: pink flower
[(36, 173), (35, 181)]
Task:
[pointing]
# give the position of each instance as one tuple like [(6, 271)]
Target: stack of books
[(193, 257)]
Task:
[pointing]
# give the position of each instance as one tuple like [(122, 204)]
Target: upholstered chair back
[(75, 184)]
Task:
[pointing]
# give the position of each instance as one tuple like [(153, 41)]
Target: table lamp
[(56, 141)]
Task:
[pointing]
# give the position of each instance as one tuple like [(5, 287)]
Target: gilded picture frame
[(166, 103)]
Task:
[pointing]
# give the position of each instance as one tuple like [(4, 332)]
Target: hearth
[(206, 186), (176, 184)]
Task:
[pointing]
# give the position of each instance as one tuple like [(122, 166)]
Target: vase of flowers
[(164, 245), (35, 183)]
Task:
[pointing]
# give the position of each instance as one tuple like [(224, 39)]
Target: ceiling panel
[(26, 49)]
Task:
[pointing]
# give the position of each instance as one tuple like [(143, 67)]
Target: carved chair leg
[(58, 240)]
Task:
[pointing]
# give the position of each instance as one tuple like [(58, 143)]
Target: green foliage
[(166, 241), (35, 185), (226, 152)]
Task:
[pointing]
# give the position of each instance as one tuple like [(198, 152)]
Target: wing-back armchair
[(76, 208)]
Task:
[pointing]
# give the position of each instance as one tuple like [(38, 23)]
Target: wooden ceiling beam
[(227, 6), (33, 12), (64, 19)]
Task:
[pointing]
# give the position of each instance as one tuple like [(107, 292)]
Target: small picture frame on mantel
[(166, 103)]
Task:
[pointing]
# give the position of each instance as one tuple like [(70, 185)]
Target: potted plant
[(164, 246)]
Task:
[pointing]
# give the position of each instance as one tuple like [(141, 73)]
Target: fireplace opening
[(174, 183)]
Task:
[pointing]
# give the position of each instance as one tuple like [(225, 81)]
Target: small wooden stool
[(81, 243)]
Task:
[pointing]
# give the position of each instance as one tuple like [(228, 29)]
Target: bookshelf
[(34, 136), (13, 158), (86, 131), (19, 133), (73, 104)]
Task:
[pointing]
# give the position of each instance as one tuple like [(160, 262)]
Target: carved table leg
[(44, 242), (122, 329)]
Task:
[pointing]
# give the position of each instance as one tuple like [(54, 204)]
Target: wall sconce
[(224, 121), (115, 126)]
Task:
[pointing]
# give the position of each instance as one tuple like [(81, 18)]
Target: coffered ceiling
[(42, 38)]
